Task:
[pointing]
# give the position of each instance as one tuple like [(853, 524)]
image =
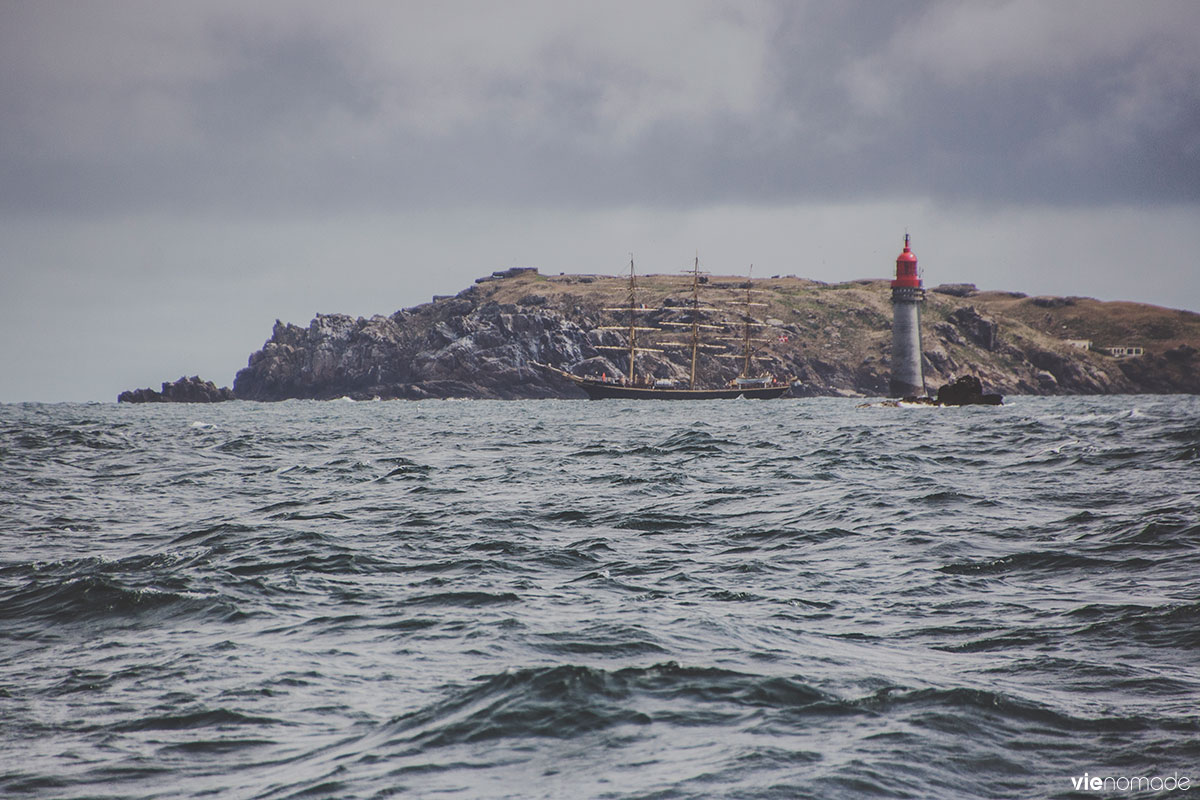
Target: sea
[(798, 598)]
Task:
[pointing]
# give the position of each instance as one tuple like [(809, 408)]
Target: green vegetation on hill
[(487, 340)]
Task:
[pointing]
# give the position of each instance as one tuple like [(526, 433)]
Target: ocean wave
[(777, 722), (1036, 561), (554, 599), (1170, 625), (562, 701), (94, 598), (197, 718)]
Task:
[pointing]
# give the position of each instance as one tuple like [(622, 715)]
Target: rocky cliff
[(485, 341), (453, 348)]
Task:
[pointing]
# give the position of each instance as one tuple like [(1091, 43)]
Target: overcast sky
[(174, 176)]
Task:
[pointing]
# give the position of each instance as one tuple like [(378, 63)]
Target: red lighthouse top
[(906, 269)]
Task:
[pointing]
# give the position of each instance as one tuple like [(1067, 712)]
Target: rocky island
[(835, 339)]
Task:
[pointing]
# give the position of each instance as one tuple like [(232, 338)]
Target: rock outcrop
[(487, 341), (184, 390), (451, 348), (956, 289), (966, 391)]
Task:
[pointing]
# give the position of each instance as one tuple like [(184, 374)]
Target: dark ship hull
[(611, 390), (598, 390)]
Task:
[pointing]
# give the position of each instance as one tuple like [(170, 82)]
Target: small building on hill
[(512, 272), (1123, 351)]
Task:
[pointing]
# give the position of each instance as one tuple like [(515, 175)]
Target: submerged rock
[(964, 391)]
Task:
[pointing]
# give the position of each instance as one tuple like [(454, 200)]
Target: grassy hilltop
[(487, 340), (839, 335)]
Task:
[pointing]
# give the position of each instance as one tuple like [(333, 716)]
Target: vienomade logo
[(1111, 783)]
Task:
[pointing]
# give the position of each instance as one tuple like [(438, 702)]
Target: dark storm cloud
[(906, 103), (298, 108)]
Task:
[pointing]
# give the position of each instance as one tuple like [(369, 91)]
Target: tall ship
[(695, 334)]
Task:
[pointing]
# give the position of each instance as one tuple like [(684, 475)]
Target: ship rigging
[(697, 335)]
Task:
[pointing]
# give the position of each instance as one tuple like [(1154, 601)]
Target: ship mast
[(632, 323), (693, 342), (695, 317), (748, 322), (631, 329), (746, 330)]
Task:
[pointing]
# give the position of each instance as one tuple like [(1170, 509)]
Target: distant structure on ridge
[(907, 298)]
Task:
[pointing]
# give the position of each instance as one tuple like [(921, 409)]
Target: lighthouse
[(907, 298)]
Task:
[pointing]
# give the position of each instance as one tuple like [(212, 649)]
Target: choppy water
[(798, 598)]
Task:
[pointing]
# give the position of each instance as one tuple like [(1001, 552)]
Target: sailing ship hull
[(603, 390), (610, 390)]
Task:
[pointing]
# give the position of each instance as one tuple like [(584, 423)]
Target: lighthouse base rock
[(966, 391)]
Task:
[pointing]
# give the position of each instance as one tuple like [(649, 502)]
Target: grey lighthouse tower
[(907, 298)]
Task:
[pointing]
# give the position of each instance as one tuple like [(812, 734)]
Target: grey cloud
[(850, 104)]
